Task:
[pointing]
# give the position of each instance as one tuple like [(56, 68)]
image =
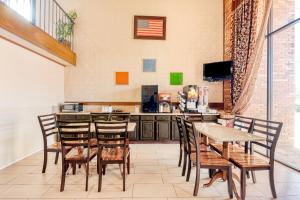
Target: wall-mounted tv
[(217, 71)]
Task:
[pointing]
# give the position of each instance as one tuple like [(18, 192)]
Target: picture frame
[(150, 27)]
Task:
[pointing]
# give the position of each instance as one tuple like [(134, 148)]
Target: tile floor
[(155, 176)]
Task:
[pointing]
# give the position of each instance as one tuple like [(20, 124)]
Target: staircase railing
[(49, 16)]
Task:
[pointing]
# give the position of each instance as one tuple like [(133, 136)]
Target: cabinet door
[(135, 135), (175, 132), (147, 130), (163, 130)]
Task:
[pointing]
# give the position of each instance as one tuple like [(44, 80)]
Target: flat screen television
[(217, 71)]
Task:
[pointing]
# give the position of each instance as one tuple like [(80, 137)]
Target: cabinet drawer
[(210, 117), (174, 117), (66, 117), (83, 117), (163, 118), (134, 117), (147, 118)]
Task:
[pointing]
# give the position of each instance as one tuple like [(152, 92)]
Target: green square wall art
[(176, 78)]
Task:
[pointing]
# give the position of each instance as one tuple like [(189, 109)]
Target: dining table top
[(220, 133)]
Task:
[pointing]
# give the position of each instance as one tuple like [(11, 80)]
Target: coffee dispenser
[(164, 103)]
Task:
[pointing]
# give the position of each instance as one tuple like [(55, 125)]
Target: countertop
[(133, 113)]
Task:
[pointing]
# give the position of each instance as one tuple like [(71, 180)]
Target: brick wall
[(228, 16)]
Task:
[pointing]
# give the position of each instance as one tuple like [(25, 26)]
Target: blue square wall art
[(149, 65)]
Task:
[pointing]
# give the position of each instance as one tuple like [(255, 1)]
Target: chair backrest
[(48, 126), (119, 116), (111, 134), (100, 116), (270, 130), (181, 130), (74, 133), (191, 136), (243, 123)]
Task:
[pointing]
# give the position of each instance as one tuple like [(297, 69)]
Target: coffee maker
[(164, 103), (188, 98), (149, 98)]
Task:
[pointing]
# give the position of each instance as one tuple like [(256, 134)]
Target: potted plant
[(65, 29)]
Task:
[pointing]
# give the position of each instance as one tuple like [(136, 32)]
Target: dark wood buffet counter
[(149, 126)]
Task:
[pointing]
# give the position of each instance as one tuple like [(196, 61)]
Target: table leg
[(215, 177), (223, 174)]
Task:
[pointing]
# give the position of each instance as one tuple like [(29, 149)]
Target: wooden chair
[(48, 127), (183, 149), (98, 117), (250, 162), (207, 159), (182, 145), (241, 123), (75, 135), (113, 147)]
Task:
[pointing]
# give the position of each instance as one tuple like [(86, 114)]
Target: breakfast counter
[(150, 126), (140, 113)]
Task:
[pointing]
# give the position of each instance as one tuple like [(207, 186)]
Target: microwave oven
[(71, 107)]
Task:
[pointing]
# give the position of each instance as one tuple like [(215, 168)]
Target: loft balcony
[(41, 26)]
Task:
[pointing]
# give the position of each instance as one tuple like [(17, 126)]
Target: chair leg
[(74, 168), (180, 157), (100, 177), (243, 184), (229, 182), (87, 176), (211, 172), (56, 158), (184, 164), (104, 169), (248, 174), (128, 164), (189, 170), (272, 184), (63, 177), (253, 176), (124, 174), (197, 180), (97, 165), (45, 161)]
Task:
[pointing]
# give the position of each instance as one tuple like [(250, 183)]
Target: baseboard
[(30, 154)]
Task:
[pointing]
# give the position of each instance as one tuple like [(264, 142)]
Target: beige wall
[(30, 85), (105, 44)]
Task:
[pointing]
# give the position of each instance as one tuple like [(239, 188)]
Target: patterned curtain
[(248, 37)]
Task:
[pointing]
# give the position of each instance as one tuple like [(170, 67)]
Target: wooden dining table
[(225, 135)]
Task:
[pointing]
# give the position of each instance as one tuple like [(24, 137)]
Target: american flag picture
[(149, 27)]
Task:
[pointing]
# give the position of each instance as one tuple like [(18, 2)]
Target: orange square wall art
[(122, 78)]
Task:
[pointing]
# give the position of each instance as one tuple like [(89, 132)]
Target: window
[(280, 75), (22, 7)]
